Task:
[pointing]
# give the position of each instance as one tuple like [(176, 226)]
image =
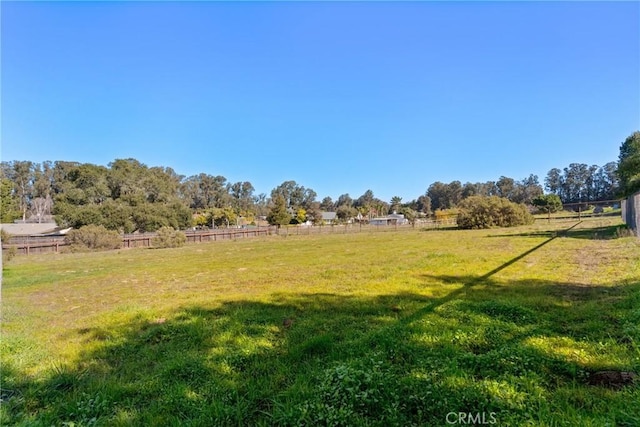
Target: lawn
[(509, 327)]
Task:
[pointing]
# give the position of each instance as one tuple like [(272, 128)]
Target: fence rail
[(37, 245), (25, 245)]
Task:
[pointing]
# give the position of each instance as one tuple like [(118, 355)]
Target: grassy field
[(509, 327)]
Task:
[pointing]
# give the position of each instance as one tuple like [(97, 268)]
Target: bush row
[(98, 237)]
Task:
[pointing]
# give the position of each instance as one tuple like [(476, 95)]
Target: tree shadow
[(242, 363), (591, 233)]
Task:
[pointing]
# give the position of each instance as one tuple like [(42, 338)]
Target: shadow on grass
[(470, 281), (382, 360), (591, 233)]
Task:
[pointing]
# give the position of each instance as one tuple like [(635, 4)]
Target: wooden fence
[(38, 245)]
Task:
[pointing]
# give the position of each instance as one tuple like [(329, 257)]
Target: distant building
[(391, 219), (34, 229), (329, 217)]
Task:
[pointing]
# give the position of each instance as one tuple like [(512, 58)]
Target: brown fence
[(631, 212), (35, 245), (38, 245)]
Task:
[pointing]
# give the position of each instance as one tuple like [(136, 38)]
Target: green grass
[(398, 328), (606, 212)]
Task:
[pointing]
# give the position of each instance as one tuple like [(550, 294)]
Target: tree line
[(127, 195)]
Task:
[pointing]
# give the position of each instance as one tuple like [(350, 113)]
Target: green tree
[(444, 196), (506, 187), (43, 180), (22, 175), (345, 213), (344, 199), (125, 180), (278, 214), (327, 204), (365, 200), (396, 202), (117, 216), (314, 214), (629, 165), (554, 182), (423, 204), (204, 191), (223, 217), (9, 210), (527, 190), (607, 182), (241, 194), (149, 217), (410, 214), (548, 203), (160, 184), (77, 216)]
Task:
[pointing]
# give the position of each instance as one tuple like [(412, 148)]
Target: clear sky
[(339, 96)]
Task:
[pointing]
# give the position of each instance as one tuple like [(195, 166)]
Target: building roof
[(328, 216), (29, 229)]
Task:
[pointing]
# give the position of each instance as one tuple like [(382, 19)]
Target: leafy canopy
[(629, 165)]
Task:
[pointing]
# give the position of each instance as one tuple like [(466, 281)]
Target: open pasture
[(400, 328)]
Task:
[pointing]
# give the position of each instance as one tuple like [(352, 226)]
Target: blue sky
[(339, 96)]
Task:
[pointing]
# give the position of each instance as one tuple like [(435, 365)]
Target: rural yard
[(376, 214), (535, 325)]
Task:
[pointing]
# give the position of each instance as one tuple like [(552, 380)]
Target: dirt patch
[(583, 292), (613, 379)]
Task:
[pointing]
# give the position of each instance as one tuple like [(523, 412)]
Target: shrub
[(487, 212), (93, 237), (167, 237), (7, 253)]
